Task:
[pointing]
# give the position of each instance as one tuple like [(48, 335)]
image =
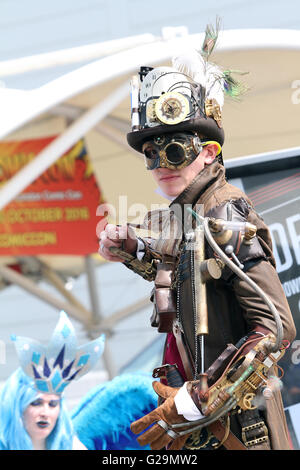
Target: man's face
[(173, 182)]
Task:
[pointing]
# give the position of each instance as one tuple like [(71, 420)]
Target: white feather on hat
[(207, 74)]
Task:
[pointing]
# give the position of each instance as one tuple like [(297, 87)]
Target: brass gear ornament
[(248, 401), (172, 108)]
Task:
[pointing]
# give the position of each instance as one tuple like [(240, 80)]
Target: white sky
[(29, 27)]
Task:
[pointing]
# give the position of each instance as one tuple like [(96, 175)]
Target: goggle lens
[(175, 153), (151, 155), (151, 152)]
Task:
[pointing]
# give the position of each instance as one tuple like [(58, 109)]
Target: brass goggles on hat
[(173, 151)]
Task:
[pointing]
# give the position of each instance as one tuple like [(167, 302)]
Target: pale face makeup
[(40, 418)]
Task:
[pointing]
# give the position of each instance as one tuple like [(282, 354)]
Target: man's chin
[(172, 191)]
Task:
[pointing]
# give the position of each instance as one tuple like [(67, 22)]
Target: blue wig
[(16, 395)]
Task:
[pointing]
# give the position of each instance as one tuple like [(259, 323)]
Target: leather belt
[(254, 430), (232, 442)]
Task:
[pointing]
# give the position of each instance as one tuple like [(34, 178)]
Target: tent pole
[(58, 283), (97, 317), (15, 278), (93, 291)]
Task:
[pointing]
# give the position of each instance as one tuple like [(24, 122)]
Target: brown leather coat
[(234, 309)]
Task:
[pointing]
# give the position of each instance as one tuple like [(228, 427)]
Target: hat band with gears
[(206, 127)]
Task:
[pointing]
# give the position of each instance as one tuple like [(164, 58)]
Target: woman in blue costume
[(31, 420), (33, 414)]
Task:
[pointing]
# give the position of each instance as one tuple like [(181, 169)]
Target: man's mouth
[(43, 424), (168, 177)]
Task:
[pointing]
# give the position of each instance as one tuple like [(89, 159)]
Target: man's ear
[(211, 152)]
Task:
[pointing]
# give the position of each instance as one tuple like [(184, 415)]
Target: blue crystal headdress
[(55, 366)]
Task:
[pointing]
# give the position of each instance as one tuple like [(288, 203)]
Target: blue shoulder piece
[(102, 418)]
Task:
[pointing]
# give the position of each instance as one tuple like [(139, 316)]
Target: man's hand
[(119, 236), (157, 436)]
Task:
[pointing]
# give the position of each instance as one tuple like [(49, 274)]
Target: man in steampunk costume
[(216, 292)]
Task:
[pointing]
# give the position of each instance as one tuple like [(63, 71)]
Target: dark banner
[(276, 197)]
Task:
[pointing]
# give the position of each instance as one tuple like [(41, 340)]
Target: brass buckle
[(258, 440)]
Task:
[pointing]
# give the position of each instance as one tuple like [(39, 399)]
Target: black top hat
[(185, 98)]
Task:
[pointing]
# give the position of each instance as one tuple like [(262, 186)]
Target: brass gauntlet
[(145, 269)]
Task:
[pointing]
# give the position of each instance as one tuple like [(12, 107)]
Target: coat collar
[(200, 184), (212, 176)]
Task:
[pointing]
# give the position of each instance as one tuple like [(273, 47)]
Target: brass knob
[(210, 269)]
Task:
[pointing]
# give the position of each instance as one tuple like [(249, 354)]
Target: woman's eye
[(53, 403), (37, 402)]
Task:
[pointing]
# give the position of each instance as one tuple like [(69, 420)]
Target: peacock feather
[(210, 39), (232, 87)]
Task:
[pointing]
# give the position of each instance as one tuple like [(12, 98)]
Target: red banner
[(56, 214)]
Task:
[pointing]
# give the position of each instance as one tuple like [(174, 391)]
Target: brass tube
[(200, 286)]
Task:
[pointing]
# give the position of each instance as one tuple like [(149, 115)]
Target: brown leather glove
[(159, 436)]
